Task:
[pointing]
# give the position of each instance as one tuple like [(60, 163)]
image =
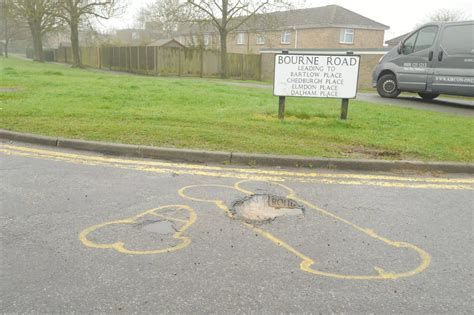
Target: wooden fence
[(200, 63), (165, 61)]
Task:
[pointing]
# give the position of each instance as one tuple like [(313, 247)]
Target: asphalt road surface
[(461, 107), (89, 233)]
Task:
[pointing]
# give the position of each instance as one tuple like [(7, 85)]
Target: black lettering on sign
[(278, 203), (298, 60), (341, 61)]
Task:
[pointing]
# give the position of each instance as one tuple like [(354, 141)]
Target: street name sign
[(318, 76)]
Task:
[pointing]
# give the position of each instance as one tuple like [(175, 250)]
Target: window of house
[(207, 39), (241, 38), (260, 38), (286, 37), (347, 36)]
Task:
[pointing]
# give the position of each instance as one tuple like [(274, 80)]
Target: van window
[(426, 38), (409, 44), (458, 40)]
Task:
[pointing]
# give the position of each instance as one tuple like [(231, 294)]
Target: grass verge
[(53, 100)]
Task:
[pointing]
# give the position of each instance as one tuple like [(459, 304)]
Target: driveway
[(442, 104), (447, 105)]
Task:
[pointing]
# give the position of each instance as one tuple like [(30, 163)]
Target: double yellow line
[(244, 173)]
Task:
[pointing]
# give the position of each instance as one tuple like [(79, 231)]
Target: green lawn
[(55, 100)]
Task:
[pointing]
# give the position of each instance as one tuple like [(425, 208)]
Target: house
[(87, 38), (395, 41), (330, 26), (166, 43), (132, 36), (65, 45)]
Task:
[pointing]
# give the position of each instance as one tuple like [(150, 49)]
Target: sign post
[(282, 101), (344, 108), (316, 76), (281, 107)]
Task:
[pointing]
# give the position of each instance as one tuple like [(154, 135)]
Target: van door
[(454, 62), (416, 61)]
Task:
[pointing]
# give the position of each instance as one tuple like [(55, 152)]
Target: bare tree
[(75, 12), (40, 16), (228, 15), (166, 15), (446, 15), (11, 26)]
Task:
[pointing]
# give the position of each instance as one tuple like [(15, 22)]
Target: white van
[(437, 58)]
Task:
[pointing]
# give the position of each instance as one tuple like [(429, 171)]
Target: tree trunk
[(6, 30), (7, 41), (223, 34), (35, 29), (76, 54)]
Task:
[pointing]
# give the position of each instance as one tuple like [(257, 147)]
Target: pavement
[(84, 232)]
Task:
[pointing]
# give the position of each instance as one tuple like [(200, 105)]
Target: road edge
[(203, 156)]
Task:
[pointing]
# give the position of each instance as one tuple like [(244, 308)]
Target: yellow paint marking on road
[(387, 184), (307, 262), (147, 168), (120, 245), (167, 218), (252, 171), (239, 173), (219, 203)]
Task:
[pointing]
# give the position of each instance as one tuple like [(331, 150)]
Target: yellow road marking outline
[(251, 174), (168, 218), (307, 262), (120, 246)]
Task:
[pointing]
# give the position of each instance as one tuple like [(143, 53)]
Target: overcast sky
[(401, 15)]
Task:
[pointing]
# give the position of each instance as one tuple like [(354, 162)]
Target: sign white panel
[(316, 76)]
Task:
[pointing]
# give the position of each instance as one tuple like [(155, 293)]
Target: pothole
[(160, 227), (265, 207)]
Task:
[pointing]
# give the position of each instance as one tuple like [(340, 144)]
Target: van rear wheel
[(387, 86), (428, 96)]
